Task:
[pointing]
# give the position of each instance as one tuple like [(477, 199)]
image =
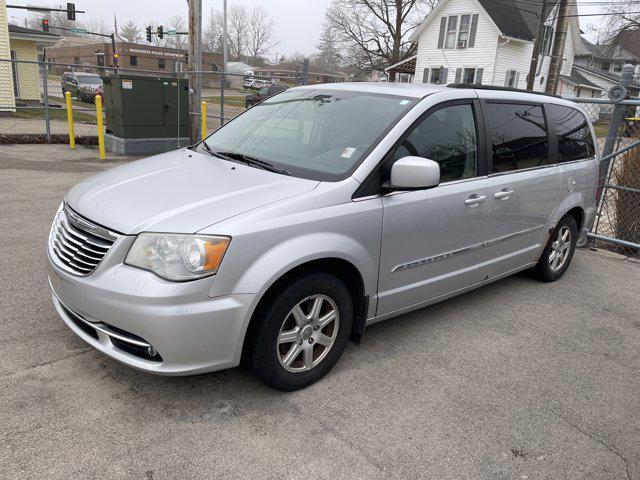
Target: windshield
[(90, 80), (316, 134)]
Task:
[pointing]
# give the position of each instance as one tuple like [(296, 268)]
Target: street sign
[(170, 32), (78, 30)]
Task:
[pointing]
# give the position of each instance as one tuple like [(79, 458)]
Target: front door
[(432, 240), (525, 185)]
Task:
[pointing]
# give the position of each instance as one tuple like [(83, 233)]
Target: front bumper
[(118, 306)]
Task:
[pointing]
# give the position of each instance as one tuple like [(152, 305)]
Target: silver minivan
[(322, 210)]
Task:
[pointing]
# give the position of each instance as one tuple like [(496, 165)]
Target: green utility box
[(145, 114)]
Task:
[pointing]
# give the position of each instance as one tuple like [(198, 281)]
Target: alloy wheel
[(307, 333), (560, 249)]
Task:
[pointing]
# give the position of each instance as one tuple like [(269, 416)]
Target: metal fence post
[(305, 71), (616, 120), (222, 85), (45, 93)]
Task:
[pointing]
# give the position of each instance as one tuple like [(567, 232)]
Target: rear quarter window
[(574, 135), (517, 136)]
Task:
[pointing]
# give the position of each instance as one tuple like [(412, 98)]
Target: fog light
[(151, 351)]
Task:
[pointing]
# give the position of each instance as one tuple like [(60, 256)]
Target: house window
[(133, 61), (161, 63), (468, 75), (617, 67), (547, 40), (511, 79), (463, 33), (605, 66), (435, 75), (452, 26)]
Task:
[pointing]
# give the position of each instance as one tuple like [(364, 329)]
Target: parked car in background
[(321, 210), (248, 82), (83, 86), (262, 94)]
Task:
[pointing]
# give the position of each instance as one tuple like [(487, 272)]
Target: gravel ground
[(517, 380)]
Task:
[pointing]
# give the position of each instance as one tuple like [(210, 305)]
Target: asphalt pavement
[(517, 380)]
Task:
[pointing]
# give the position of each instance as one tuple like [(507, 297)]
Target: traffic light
[(71, 11), (45, 25), (115, 59), (160, 31), (149, 34)]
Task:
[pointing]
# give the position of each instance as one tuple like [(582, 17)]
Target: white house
[(490, 42)]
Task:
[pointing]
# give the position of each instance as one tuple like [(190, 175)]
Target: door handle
[(503, 194), (475, 200)]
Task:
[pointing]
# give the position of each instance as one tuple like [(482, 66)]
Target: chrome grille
[(76, 244)]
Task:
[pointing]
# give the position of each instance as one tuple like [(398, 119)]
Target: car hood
[(178, 192)]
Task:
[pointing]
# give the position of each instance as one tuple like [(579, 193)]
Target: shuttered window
[(458, 31)]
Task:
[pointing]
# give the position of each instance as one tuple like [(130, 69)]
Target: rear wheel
[(557, 255), (302, 332), (248, 104)]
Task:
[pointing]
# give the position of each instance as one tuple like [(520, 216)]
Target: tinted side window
[(447, 136), (517, 136), (574, 137)]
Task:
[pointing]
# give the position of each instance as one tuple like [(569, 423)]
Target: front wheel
[(557, 255), (302, 332)]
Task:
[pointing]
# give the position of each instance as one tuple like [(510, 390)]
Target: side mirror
[(414, 173)]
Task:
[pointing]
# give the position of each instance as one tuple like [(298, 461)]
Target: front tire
[(301, 332), (557, 255)]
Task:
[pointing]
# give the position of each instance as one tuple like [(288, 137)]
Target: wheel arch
[(342, 269)]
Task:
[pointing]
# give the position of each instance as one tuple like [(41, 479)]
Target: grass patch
[(601, 129), (231, 101), (54, 114)]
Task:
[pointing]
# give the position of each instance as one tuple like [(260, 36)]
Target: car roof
[(421, 90), (415, 90)]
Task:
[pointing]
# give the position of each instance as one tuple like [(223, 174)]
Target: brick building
[(130, 56)]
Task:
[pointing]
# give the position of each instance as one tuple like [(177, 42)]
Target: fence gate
[(617, 225)]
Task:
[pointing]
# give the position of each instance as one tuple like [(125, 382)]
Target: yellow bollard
[(72, 137), (203, 113), (100, 127)]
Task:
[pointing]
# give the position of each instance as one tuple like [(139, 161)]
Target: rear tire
[(557, 255), (248, 104), (301, 332)]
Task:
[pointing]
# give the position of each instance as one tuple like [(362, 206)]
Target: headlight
[(178, 257)]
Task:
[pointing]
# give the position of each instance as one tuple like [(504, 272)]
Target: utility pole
[(195, 63), (537, 45), (223, 76), (555, 62)]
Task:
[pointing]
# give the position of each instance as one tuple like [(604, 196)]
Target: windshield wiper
[(256, 162)]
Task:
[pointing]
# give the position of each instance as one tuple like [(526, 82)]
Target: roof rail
[(501, 89)]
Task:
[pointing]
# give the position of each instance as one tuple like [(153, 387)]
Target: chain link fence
[(617, 126), (38, 113)]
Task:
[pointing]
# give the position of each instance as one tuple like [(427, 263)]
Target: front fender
[(283, 257)]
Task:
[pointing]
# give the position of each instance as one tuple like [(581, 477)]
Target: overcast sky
[(298, 22)]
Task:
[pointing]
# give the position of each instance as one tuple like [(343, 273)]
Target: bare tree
[(237, 29), (178, 24), (130, 32), (328, 54), (212, 34), (56, 19), (261, 33), (373, 34), (96, 26), (620, 19)]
